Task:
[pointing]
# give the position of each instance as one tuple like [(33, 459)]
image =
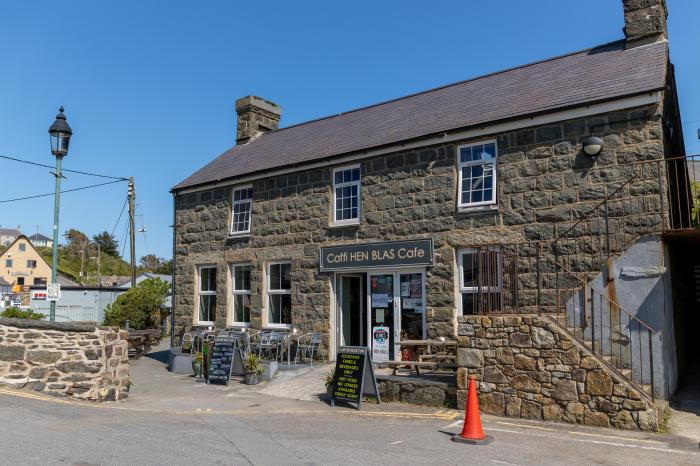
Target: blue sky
[(149, 87)]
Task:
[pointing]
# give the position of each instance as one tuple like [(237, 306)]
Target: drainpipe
[(172, 284)]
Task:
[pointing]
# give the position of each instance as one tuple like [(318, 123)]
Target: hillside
[(69, 265)]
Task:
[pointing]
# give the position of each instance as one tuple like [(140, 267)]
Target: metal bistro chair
[(307, 346), (270, 343)]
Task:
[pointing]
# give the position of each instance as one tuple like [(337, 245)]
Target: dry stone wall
[(63, 359), (527, 367)]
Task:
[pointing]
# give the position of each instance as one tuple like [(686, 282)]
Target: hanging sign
[(417, 252), (380, 344), (354, 376)]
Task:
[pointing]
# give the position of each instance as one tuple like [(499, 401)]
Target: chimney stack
[(645, 21), (255, 116)]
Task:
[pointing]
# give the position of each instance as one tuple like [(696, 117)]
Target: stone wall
[(64, 359), (527, 367), (545, 183)]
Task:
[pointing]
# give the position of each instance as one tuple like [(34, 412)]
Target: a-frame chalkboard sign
[(226, 359), (354, 376)]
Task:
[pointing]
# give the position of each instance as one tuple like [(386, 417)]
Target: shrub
[(141, 305), (17, 313)]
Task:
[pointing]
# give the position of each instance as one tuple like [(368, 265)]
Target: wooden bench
[(416, 365), (140, 341)]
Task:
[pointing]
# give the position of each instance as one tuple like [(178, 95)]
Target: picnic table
[(140, 341), (431, 354)]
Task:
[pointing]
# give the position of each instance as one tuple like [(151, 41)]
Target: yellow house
[(21, 265)]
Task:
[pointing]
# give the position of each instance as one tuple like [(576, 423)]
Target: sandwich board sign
[(53, 291), (353, 377), (226, 359)]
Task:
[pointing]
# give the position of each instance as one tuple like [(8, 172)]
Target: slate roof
[(39, 237), (9, 232), (594, 75)]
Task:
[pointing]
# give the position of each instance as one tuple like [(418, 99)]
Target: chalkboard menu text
[(354, 376), (225, 353)]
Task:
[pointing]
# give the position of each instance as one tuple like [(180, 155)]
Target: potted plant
[(330, 377), (253, 368), (198, 364)]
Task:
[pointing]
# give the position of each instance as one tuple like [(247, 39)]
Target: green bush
[(141, 305), (17, 313)]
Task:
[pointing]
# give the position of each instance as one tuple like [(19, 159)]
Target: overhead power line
[(120, 178), (66, 191), (120, 216)]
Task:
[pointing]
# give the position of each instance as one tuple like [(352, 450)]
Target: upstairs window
[(477, 174), (346, 195), (207, 294), (31, 264), (241, 293), (480, 280), (241, 211), (279, 291), (22, 247), (8, 262)]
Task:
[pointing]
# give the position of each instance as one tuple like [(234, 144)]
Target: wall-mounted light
[(592, 146)]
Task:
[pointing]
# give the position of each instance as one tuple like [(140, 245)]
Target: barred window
[(207, 294), (241, 293), (241, 211), (480, 280), (477, 174), (346, 189), (279, 290)]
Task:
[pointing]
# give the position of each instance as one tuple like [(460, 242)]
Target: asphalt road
[(34, 430)]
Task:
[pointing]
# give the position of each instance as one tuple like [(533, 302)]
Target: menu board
[(354, 376), (225, 354)]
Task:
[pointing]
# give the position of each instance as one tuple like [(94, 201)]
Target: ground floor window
[(240, 274), (207, 294), (279, 291), (480, 280)]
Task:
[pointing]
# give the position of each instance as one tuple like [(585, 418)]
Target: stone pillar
[(645, 21), (255, 116)]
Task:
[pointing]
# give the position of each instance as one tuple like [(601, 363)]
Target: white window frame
[(232, 232), (271, 292), (358, 183), (205, 293), (460, 165), (475, 289), (235, 292)]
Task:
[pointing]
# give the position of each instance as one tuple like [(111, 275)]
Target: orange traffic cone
[(472, 432)]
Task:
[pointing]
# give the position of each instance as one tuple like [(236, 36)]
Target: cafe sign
[(417, 252)]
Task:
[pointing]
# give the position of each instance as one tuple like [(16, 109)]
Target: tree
[(76, 241), (166, 267), (108, 243), (151, 262), (141, 305)]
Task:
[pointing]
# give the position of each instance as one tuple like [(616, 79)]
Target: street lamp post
[(60, 134)]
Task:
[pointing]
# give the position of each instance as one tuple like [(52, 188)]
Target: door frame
[(339, 305), (395, 272)]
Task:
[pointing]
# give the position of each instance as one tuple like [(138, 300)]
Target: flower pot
[(197, 368), (252, 378)]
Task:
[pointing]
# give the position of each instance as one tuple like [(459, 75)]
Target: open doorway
[(351, 310)]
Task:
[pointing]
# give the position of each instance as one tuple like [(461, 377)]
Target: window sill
[(242, 234), (345, 224), (277, 326), (477, 208)]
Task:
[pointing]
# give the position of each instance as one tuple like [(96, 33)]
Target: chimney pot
[(255, 116)]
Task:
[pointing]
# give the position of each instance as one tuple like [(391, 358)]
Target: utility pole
[(132, 230), (82, 262)]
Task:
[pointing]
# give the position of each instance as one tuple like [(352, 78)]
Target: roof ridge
[(444, 86)]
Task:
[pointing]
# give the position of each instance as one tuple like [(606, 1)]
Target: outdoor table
[(428, 346)]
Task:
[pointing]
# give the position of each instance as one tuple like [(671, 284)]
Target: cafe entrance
[(378, 294)]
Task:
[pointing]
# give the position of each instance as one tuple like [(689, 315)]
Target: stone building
[(420, 213)]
